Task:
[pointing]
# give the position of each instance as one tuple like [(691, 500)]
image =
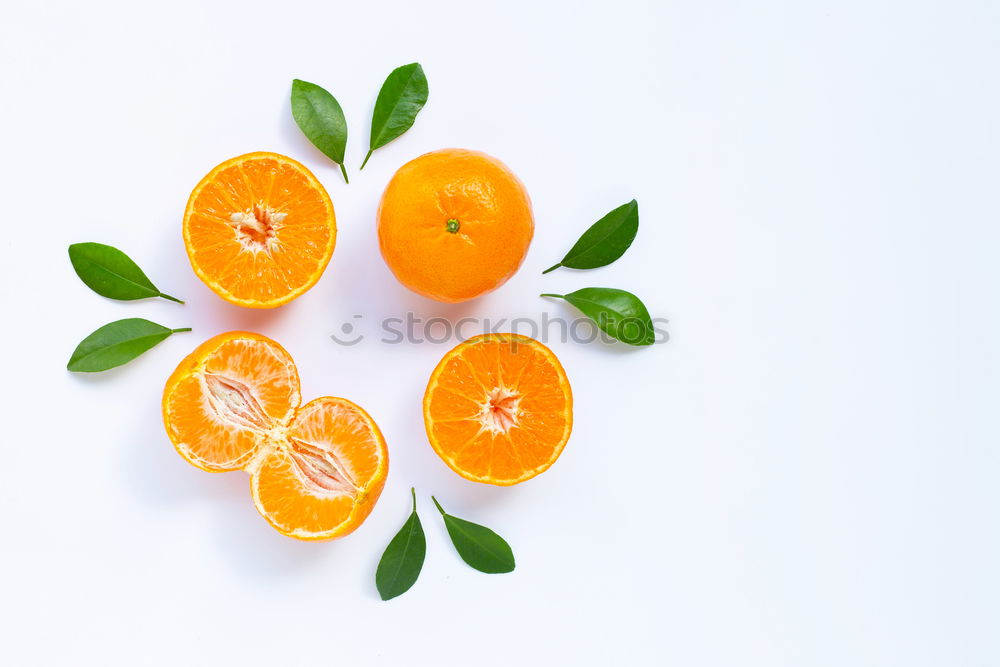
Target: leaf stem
[(366, 159), (180, 330), (552, 268), (440, 509), (557, 296), (343, 170), (169, 298), (414, 493)]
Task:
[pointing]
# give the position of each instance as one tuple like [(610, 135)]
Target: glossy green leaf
[(605, 241), (618, 313), (478, 546), (403, 558), (401, 98), (319, 116), (111, 273), (117, 343)]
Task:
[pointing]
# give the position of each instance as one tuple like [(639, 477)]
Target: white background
[(806, 474)]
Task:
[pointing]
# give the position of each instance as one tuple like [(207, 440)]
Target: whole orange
[(454, 224)]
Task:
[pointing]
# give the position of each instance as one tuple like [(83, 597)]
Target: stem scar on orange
[(316, 470), (259, 230), (454, 224), (498, 409)]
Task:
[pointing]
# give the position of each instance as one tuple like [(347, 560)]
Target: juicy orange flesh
[(220, 411), (499, 409), (330, 458), (235, 405), (259, 229)]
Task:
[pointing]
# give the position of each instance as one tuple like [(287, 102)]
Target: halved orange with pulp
[(259, 230), (316, 470), (498, 409)]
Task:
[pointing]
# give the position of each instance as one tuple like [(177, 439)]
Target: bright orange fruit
[(454, 224), (259, 230), (316, 470), (498, 409)]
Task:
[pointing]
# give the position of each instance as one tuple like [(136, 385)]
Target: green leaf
[(605, 241), (319, 116), (111, 273), (478, 546), (618, 313), (402, 96), (117, 343), (402, 559)]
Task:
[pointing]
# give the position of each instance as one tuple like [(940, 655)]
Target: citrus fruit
[(259, 230), (316, 470), (498, 409), (454, 224)]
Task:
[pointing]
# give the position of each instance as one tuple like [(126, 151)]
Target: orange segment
[(234, 403), (259, 230), (319, 484), (223, 401), (498, 409)]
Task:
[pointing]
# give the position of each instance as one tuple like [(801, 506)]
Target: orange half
[(316, 470), (259, 230), (498, 409)]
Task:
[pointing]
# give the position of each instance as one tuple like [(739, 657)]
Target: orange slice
[(498, 409), (316, 470), (259, 230)]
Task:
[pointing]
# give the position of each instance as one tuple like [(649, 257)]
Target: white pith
[(500, 411), (257, 228), (234, 404)]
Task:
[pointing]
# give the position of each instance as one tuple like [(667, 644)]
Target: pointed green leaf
[(618, 313), (478, 546), (117, 343), (401, 98), (605, 241), (403, 558), (319, 116), (111, 273)]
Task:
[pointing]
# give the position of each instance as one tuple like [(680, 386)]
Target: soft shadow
[(256, 549), (159, 477), (103, 377)]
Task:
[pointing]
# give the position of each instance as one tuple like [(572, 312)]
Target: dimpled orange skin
[(491, 222)]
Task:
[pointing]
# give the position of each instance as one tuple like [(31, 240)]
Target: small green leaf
[(319, 116), (111, 273), (117, 343), (605, 241), (402, 559), (401, 98), (478, 546), (618, 313)]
